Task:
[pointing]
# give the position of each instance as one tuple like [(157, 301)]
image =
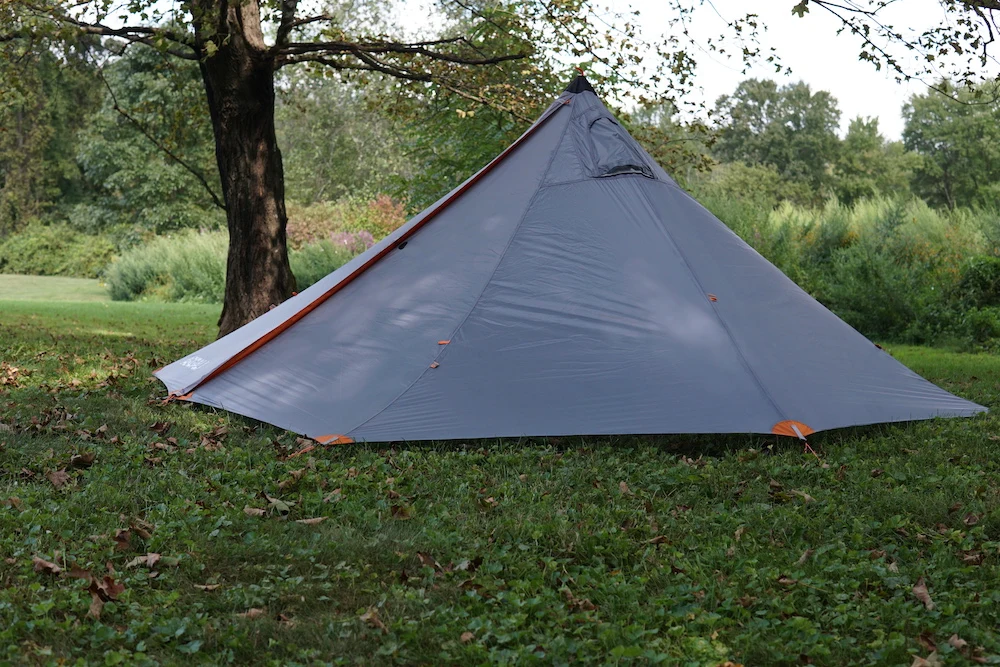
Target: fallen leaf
[(970, 519), (659, 539), (58, 478), (427, 561), (311, 522), (142, 528), (334, 496), (624, 488), (304, 450), (102, 591), (804, 557), (371, 618), (957, 642), (253, 511), (84, 460), (42, 565), (877, 472), (280, 506), (932, 660), (207, 587), (921, 593), (739, 533), (803, 495), (253, 612), (954, 508), (160, 427), (123, 540), (787, 581), (467, 637), (401, 512)]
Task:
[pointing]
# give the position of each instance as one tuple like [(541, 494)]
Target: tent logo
[(194, 362)]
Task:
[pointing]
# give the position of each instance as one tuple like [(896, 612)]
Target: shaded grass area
[(50, 288), (672, 550)]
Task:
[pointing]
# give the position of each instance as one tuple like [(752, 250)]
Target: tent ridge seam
[(721, 319), (444, 348)]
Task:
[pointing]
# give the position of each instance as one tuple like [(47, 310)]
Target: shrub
[(979, 284), (54, 250), (191, 266), (377, 217)]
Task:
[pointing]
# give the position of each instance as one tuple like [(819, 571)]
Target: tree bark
[(239, 82)]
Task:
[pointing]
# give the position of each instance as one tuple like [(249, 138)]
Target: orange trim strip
[(443, 342), (284, 326), (333, 439), (785, 428)]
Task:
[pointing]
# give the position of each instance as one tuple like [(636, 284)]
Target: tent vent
[(614, 150), (402, 245)]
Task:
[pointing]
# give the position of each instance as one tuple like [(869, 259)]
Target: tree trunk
[(239, 82)]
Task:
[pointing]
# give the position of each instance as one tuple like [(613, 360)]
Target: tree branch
[(194, 172), (382, 48), (287, 22)]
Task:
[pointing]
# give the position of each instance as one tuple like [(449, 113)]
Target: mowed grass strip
[(50, 288), (672, 550)]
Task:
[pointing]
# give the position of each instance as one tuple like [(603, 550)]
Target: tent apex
[(580, 84)]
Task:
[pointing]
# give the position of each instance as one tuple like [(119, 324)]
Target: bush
[(54, 250), (191, 266), (351, 214)]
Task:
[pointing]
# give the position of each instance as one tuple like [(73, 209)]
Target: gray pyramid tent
[(569, 287)]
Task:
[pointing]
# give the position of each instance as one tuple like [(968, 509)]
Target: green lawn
[(50, 288), (639, 550)]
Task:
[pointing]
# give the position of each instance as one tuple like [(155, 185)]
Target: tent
[(569, 287)]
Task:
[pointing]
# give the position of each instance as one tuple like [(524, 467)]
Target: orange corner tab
[(792, 429), (712, 297), (443, 342), (182, 397), (333, 439), (435, 364)]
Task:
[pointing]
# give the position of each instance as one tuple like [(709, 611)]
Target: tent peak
[(580, 84)]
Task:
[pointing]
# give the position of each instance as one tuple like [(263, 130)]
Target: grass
[(50, 288), (607, 550)]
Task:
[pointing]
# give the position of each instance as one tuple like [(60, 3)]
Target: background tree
[(146, 153), (45, 94), (957, 133), (789, 128), (868, 165)]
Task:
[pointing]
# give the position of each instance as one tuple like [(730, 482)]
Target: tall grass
[(890, 267), (191, 266)]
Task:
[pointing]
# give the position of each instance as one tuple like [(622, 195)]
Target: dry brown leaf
[(311, 522), (401, 512), (970, 519), (877, 472), (123, 540), (805, 556), (803, 495), (659, 539), (739, 533), (160, 427), (42, 565), (932, 660), (84, 460), (58, 478), (921, 593), (253, 612), (352, 473), (371, 618), (141, 528), (152, 559), (467, 637), (334, 496), (253, 511), (787, 581), (957, 642), (101, 591), (207, 587), (624, 488)]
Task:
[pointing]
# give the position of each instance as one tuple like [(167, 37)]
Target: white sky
[(810, 46)]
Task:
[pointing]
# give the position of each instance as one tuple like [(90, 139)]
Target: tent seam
[(444, 351), (719, 317)]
